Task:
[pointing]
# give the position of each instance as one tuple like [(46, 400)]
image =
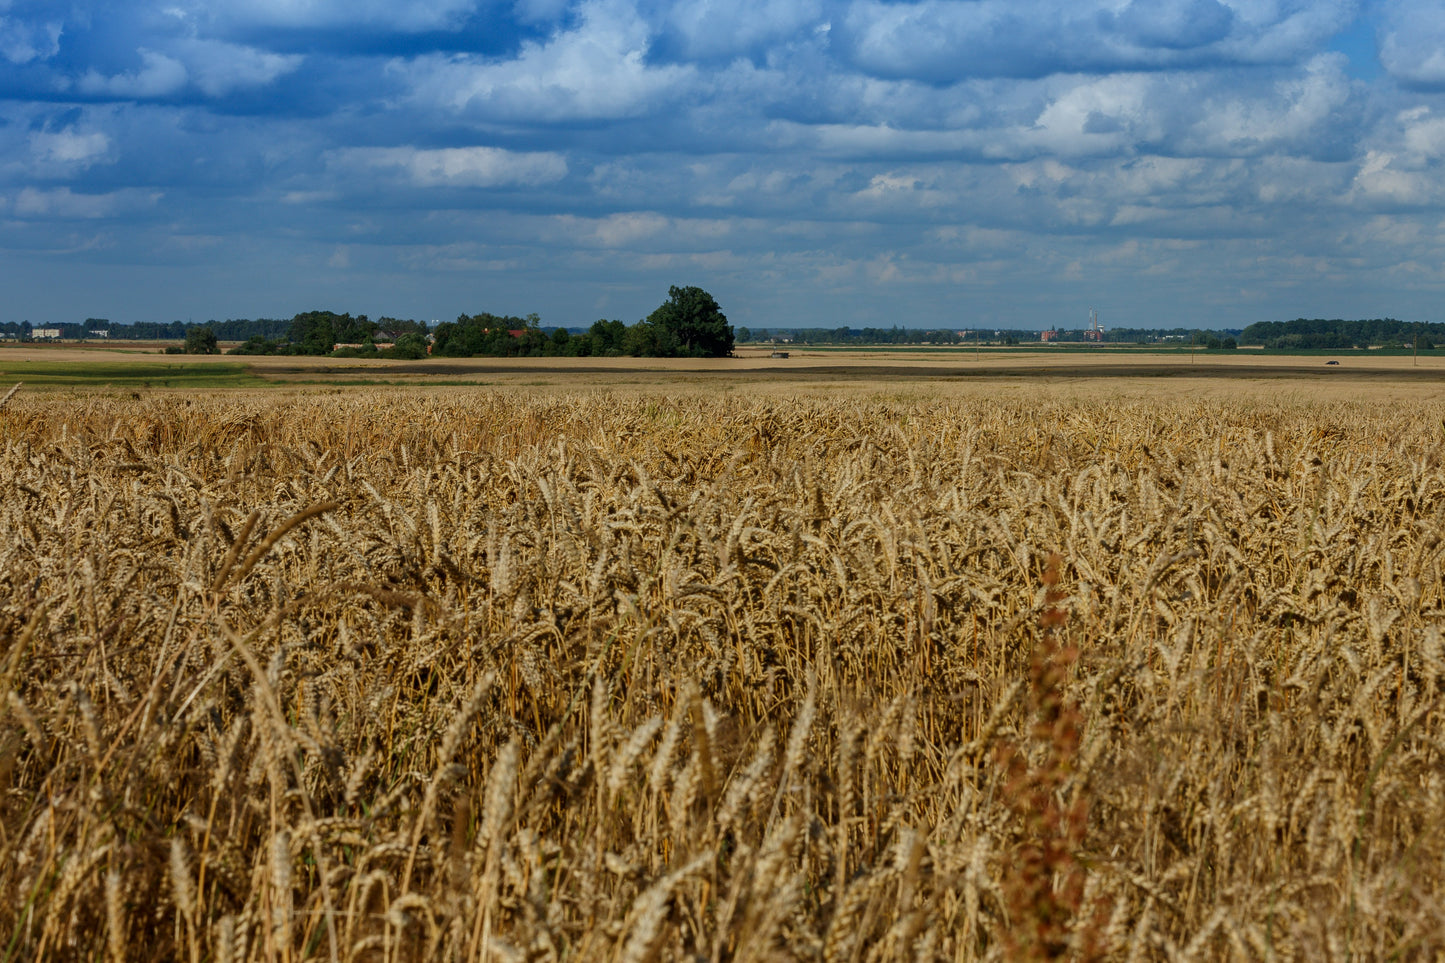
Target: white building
[(42, 334)]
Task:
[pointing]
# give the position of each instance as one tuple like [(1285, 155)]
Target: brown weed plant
[(391, 676), (1046, 884)]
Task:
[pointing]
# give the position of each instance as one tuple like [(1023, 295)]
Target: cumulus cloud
[(215, 68), (460, 166), (64, 203), (158, 76), (708, 30), (1174, 24), (1401, 167), (221, 68), (414, 15), (1306, 110), (69, 149), (1383, 180), (23, 41), (939, 40), (540, 11), (1412, 42), (1424, 134), (597, 70)]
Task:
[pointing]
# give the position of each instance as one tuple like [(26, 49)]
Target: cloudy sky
[(810, 162)]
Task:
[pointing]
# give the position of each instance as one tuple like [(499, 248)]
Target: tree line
[(321, 332), (688, 324), (231, 329), (1338, 333)]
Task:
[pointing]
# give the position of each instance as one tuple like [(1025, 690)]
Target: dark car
[(1331, 362)]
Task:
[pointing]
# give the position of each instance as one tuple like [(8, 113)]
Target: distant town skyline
[(926, 163)]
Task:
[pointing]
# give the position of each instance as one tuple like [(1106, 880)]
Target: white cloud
[(707, 29), (414, 15), (1103, 115), (642, 231), (540, 11), (1293, 113), (22, 42), (69, 150), (1401, 168), (1412, 41), (1381, 179), (461, 166), (159, 76), (1424, 135), (215, 67), (220, 68), (1282, 31), (65, 204), (621, 230), (1175, 24), (308, 197), (1307, 110), (595, 71), (940, 39)]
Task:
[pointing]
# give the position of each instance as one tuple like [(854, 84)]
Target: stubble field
[(545, 676)]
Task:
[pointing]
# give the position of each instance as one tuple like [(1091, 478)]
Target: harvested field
[(394, 676)]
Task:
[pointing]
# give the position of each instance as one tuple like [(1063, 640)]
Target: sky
[(925, 163)]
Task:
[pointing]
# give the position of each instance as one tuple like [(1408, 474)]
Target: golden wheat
[(391, 676)]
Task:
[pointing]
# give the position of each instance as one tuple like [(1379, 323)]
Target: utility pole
[(1417, 344)]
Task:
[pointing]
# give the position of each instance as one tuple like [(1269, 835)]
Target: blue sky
[(810, 162)]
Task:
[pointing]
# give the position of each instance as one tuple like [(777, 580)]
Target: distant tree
[(607, 338), (490, 335), (201, 339), (694, 322), (312, 332), (1337, 333), (411, 345), (646, 339), (394, 328), (745, 335), (256, 344), (355, 330), (317, 332)]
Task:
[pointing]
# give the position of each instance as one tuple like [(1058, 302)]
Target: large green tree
[(317, 332), (691, 319), (201, 340)]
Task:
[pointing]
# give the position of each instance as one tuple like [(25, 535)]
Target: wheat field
[(404, 676)]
